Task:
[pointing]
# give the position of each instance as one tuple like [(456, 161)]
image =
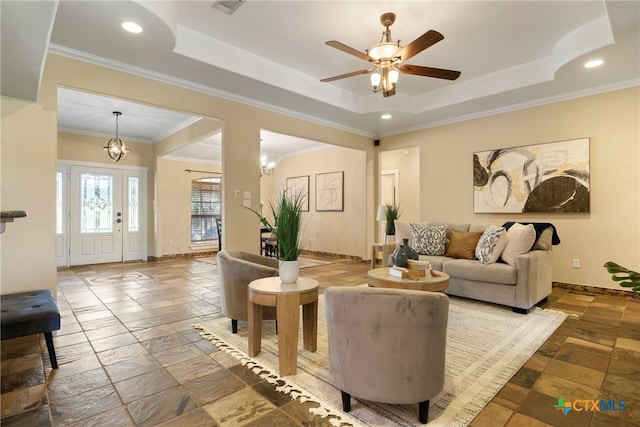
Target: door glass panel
[(58, 202), (134, 203), (96, 213)]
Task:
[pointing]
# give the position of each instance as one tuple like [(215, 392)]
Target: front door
[(106, 215)]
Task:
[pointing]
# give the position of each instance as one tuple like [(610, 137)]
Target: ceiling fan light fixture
[(384, 51), (393, 76), (375, 80), (385, 83), (115, 148), (388, 59)]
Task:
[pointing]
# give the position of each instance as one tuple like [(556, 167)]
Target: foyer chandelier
[(115, 148)]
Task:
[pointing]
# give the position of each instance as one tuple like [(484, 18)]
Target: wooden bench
[(29, 313)]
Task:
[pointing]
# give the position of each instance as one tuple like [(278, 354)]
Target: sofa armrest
[(533, 278)]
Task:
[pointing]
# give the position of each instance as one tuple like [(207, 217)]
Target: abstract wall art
[(329, 192), (299, 185), (551, 177)]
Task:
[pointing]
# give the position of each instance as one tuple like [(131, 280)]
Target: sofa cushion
[(462, 244), (491, 244), (435, 260), (520, 239), (475, 270), (429, 239)]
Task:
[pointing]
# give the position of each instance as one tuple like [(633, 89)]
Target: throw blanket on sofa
[(539, 227)]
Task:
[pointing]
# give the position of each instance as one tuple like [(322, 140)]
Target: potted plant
[(287, 224), (391, 213), (626, 277)]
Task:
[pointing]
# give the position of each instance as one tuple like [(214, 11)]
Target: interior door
[(96, 219)]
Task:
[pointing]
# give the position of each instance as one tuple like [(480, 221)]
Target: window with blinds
[(205, 208)]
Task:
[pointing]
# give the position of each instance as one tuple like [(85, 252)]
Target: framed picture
[(329, 192), (300, 185), (551, 177)]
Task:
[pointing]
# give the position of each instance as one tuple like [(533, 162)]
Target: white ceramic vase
[(289, 271)]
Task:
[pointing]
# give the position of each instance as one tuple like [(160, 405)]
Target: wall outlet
[(576, 263), (170, 242)]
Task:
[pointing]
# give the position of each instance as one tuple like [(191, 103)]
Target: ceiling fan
[(388, 58)]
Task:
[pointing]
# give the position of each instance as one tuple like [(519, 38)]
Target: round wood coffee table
[(381, 278)]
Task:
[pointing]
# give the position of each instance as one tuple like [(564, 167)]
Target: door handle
[(118, 220)]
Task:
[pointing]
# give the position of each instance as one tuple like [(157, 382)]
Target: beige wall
[(611, 120), (84, 148), (611, 231), (29, 141), (27, 182), (174, 187), (341, 233)]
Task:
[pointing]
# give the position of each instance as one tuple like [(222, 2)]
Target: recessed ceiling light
[(593, 63), (132, 27), (386, 116)]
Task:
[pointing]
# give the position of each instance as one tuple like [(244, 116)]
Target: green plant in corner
[(626, 277), (391, 213), (287, 224)]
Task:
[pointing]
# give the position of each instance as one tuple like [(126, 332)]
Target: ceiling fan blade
[(346, 49), (426, 40), (438, 73), (344, 76)]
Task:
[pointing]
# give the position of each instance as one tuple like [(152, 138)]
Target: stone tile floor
[(129, 356)]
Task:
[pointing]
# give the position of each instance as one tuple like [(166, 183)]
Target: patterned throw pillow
[(429, 239), (491, 244)]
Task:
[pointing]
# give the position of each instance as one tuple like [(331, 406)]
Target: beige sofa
[(520, 286)]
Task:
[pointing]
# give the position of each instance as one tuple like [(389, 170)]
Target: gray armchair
[(236, 270), (387, 345)]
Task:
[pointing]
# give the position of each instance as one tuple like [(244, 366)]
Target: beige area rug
[(486, 345), (304, 262)]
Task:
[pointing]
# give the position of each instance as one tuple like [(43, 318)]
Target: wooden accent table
[(286, 298), (380, 277)]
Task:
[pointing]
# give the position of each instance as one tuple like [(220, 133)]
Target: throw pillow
[(520, 239), (491, 244), (462, 244), (429, 239)]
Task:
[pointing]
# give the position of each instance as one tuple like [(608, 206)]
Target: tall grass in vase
[(391, 213), (286, 211)]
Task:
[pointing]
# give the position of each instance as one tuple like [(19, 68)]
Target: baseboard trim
[(594, 290)]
